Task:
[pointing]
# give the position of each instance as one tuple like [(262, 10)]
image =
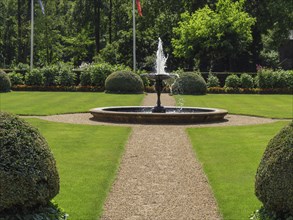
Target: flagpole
[(134, 38), (32, 35)]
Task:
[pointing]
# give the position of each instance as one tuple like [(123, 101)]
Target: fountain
[(158, 114)]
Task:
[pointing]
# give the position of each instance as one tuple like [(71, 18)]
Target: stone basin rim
[(201, 115)]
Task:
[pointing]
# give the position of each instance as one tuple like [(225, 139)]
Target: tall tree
[(214, 34)]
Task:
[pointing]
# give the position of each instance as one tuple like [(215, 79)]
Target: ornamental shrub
[(213, 81), (99, 73), (34, 78), (246, 81), (50, 74), (16, 78), (66, 77), (5, 83), (85, 78), (274, 177), (28, 173), (232, 81), (269, 79), (124, 82), (190, 83)]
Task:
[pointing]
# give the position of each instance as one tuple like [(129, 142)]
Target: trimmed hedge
[(232, 81), (269, 79), (274, 177), (190, 83), (213, 81), (28, 173), (5, 83), (124, 82)]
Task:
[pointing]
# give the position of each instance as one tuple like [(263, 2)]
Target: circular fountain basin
[(144, 115)]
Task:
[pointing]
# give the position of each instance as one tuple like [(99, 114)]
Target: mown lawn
[(87, 160), (49, 103), (230, 157), (271, 106)]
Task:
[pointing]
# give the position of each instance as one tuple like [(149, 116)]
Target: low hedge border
[(220, 90), (151, 89), (58, 88)]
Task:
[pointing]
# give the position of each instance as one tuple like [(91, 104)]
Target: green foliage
[(268, 78), (190, 83), (246, 81), (50, 74), (124, 82), (263, 214), (232, 81), (225, 31), (99, 72), (274, 177), (28, 173), (16, 78), (50, 212), (66, 77), (34, 78), (5, 83), (85, 78), (213, 81)]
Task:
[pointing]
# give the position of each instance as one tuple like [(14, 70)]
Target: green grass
[(87, 160), (49, 103), (271, 106), (230, 157)]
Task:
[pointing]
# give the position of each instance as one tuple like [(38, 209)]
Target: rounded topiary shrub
[(124, 82), (232, 81), (213, 81), (274, 177), (190, 83), (246, 81), (28, 173), (5, 83)]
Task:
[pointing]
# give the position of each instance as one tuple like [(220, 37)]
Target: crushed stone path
[(159, 177)]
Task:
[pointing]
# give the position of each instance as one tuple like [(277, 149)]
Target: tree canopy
[(79, 31), (215, 34)]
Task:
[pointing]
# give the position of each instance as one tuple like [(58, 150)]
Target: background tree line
[(79, 31)]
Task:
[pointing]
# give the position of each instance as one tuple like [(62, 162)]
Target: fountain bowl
[(144, 115)]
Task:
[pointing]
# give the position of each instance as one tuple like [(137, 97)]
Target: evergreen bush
[(16, 78), (28, 173), (5, 83), (213, 81), (66, 77), (232, 81), (246, 81), (274, 177), (50, 74), (99, 73), (190, 83), (34, 78), (124, 82), (85, 78)]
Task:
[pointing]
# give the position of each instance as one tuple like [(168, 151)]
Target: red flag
[(138, 7)]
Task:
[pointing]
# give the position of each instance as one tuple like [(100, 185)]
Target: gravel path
[(159, 176)]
